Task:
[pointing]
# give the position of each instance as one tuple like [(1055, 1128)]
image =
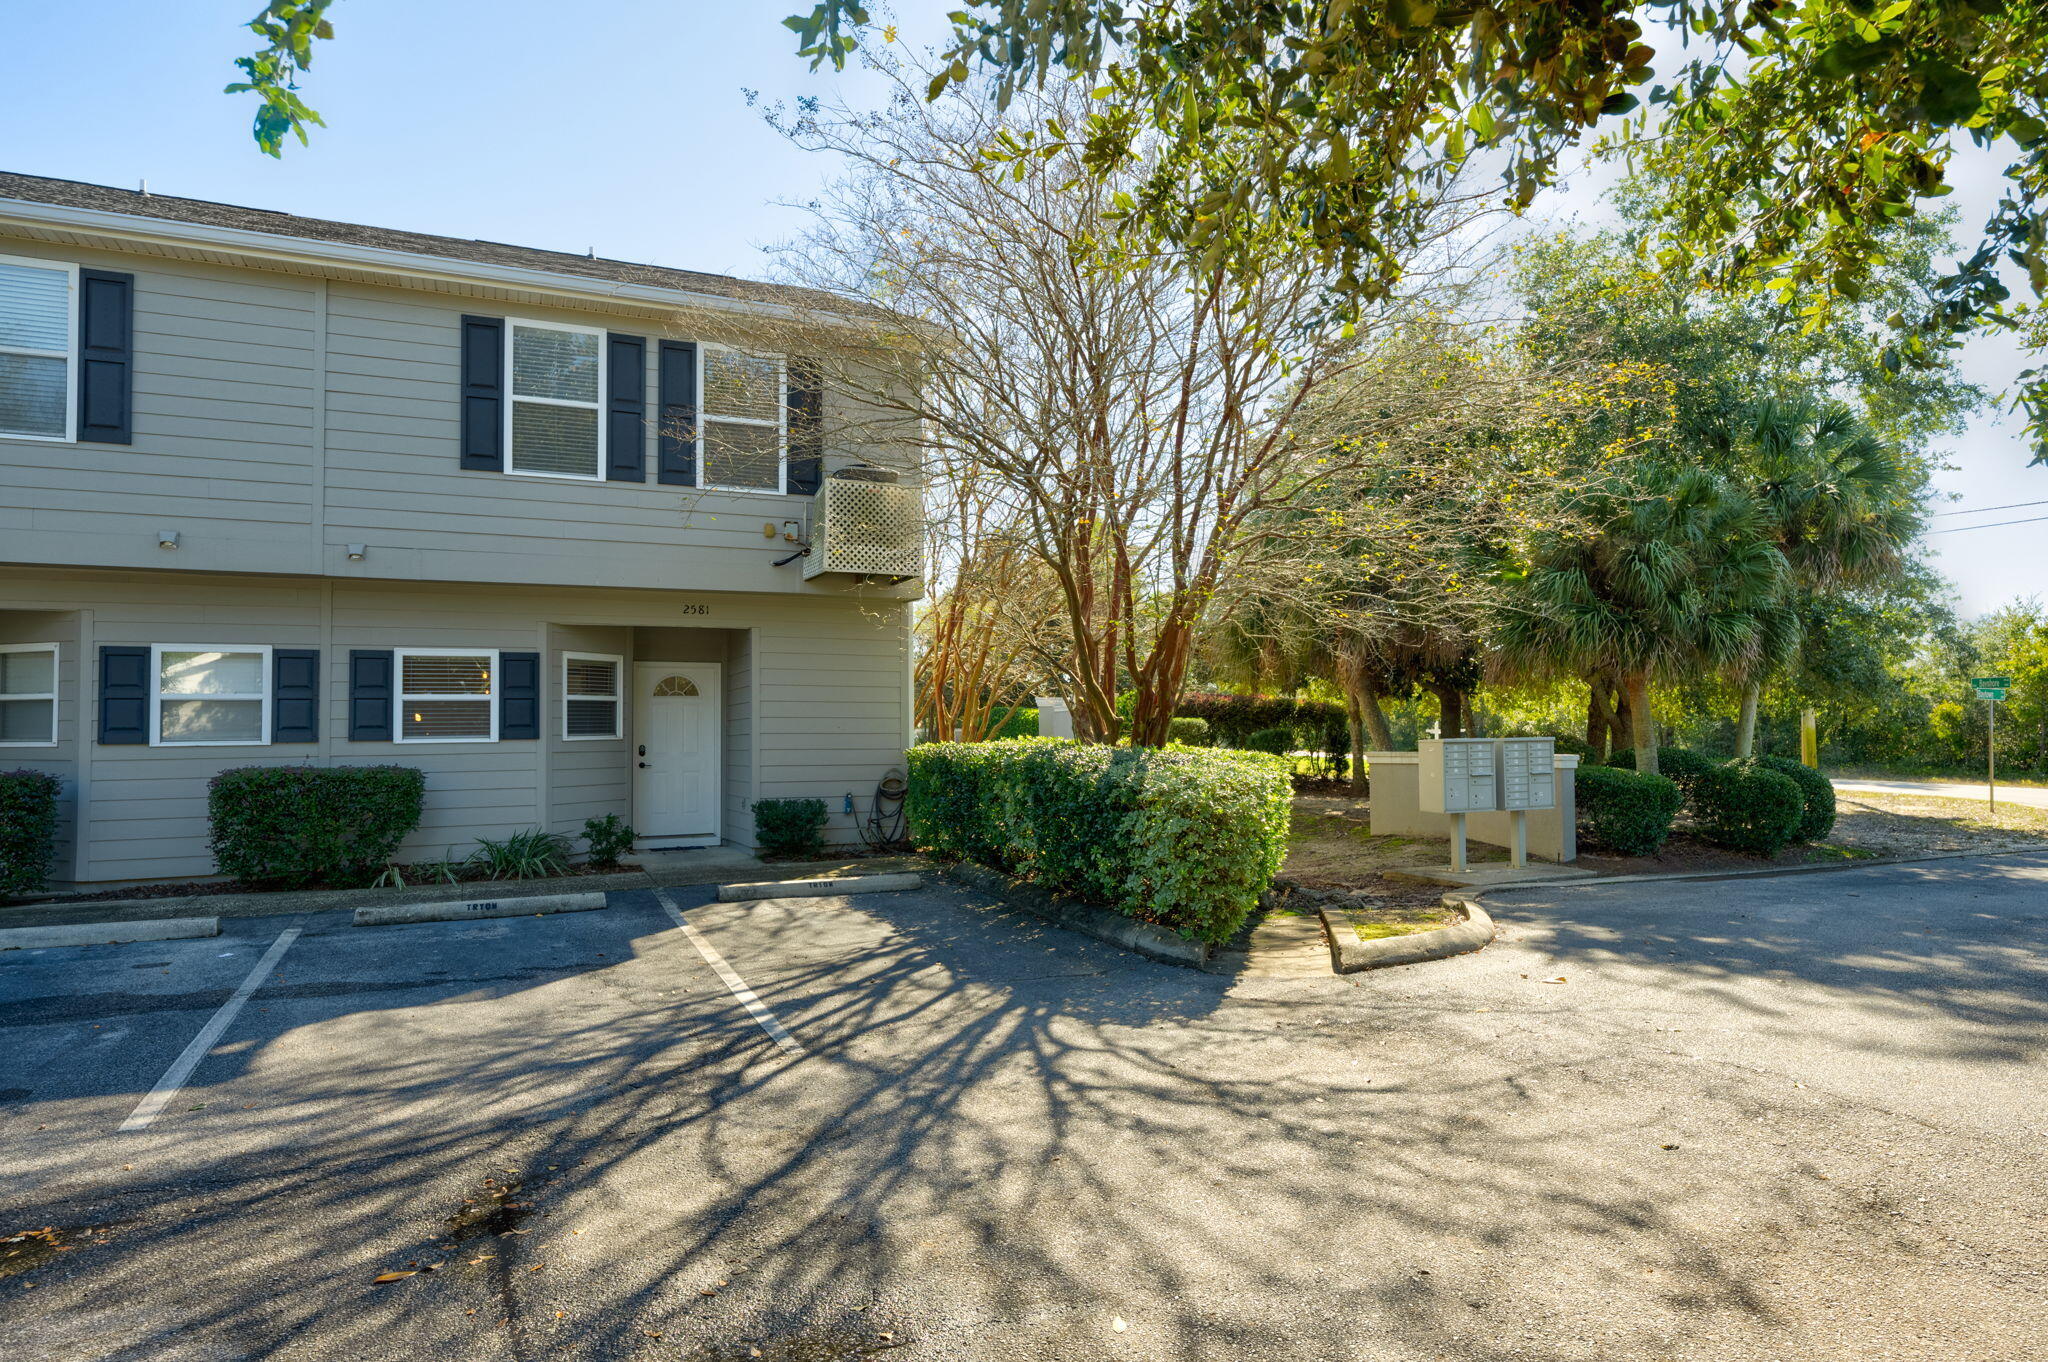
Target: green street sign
[(1991, 682)]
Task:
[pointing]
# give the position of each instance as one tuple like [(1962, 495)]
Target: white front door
[(676, 747)]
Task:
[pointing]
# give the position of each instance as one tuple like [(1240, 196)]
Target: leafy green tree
[(1839, 503), (1680, 573), (1790, 139)]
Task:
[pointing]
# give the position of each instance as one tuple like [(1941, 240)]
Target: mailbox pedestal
[(1483, 775), (1459, 776)]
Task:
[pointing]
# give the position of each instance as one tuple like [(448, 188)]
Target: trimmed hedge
[(1021, 723), (291, 826), (1745, 807), (1277, 741), (790, 827), (1193, 732), (1317, 725), (1626, 811), (1187, 840), (1816, 795), (28, 830)]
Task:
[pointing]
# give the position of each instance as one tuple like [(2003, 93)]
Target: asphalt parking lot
[(1786, 1118)]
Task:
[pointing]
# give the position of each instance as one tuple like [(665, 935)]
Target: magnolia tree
[(1133, 422)]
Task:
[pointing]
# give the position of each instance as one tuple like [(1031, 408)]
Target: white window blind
[(557, 380), (448, 695), (743, 421), (28, 694), (36, 362), (211, 695), (590, 695)]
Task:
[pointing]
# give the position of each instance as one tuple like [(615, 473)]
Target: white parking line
[(181, 1069), (775, 1029)]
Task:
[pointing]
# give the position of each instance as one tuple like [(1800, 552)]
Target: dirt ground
[(1332, 848)]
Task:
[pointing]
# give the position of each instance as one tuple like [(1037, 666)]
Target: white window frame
[(512, 399), (399, 694), (617, 697), (157, 694), (69, 355), (705, 416), (56, 682)]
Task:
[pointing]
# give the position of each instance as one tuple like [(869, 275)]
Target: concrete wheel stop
[(828, 887)]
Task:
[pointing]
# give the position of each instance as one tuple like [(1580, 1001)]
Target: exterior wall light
[(167, 539), (357, 552)]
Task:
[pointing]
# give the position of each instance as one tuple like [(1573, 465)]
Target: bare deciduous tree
[(1134, 420)]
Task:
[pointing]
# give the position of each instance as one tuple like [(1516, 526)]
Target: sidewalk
[(2032, 796)]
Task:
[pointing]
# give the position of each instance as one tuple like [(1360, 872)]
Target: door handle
[(643, 765)]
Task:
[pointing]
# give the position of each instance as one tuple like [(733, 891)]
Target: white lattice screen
[(870, 528)]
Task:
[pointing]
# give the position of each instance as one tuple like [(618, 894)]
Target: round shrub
[(1745, 807), (1191, 731), (1568, 743), (1625, 812), (790, 827), (1681, 765), (1278, 741), (1816, 794)]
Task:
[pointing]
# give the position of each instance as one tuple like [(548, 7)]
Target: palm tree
[(1679, 572), (1840, 504)]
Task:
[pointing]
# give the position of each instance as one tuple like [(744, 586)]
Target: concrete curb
[(62, 910), (107, 933), (1826, 867), (533, 905), (820, 888), (1154, 943), (1349, 955)]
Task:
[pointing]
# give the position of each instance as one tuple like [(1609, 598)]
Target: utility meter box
[(1458, 775), (1528, 773)]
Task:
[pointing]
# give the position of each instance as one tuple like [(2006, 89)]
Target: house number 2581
[(693, 609)]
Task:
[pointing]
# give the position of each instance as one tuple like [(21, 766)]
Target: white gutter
[(380, 259)]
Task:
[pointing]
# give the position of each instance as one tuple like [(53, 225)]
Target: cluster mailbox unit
[(1484, 775)]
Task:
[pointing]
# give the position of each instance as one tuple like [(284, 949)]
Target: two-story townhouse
[(283, 490)]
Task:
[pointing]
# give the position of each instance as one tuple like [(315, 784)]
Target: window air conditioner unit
[(866, 523)]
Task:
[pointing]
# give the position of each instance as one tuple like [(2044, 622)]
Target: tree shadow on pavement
[(1002, 1139)]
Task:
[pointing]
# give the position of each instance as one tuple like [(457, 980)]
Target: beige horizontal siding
[(799, 721)]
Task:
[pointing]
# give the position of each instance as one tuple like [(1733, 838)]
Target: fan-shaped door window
[(675, 685)]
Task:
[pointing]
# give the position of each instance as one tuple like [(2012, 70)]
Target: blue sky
[(621, 127)]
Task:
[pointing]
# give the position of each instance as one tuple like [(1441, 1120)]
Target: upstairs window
[(37, 372), (447, 695), (590, 695), (28, 694), (743, 415), (216, 696), (554, 427)]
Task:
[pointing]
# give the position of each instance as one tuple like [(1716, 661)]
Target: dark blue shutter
[(518, 695), (806, 427), (625, 436), (295, 695), (106, 310), (124, 695), (677, 380), (369, 695), (483, 394)]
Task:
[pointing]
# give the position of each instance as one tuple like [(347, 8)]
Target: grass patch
[(1377, 924)]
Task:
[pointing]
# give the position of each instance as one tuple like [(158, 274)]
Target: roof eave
[(400, 265)]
